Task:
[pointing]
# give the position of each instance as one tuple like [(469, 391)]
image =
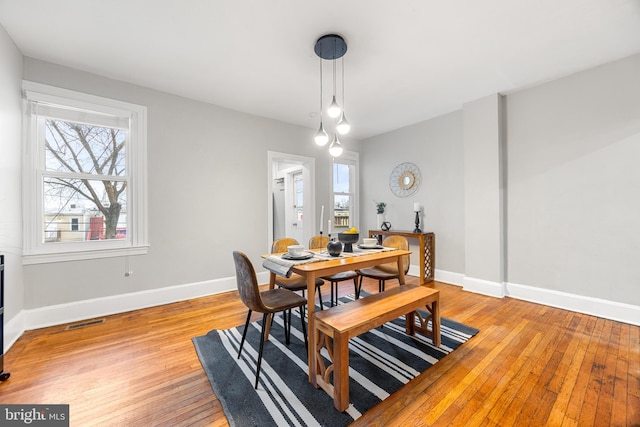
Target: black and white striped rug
[(380, 362)]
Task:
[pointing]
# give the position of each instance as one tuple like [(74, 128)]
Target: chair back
[(280, 245), (318, 242), (398, 242), (247, 283)]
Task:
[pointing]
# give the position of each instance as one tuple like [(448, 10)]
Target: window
[(345, 191), (85, 176)]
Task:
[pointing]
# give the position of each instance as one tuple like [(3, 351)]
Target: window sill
[(45, 258)]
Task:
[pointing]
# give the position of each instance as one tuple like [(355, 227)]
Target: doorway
[(291, 197)]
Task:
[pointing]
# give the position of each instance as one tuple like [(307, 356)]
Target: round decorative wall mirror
[(404, 179), (407, 180)]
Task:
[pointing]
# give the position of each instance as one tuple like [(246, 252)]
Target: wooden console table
[(427, 250)]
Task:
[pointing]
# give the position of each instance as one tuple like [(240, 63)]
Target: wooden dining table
[(328, 267)]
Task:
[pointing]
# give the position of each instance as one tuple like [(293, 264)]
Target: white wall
[(10, 178), (572, 234), (436, 147), (207, 197), (483, 195), (574, 184)]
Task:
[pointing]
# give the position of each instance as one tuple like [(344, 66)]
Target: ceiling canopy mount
[(330, 47)]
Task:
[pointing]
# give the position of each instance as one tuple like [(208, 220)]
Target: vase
[(334, 248), (380, 220)]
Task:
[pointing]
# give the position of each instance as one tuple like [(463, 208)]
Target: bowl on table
[(369, 242), (295, 250), (348, 239)]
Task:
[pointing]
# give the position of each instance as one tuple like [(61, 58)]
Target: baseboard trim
[(13, 330), (484, 287), (606, 309), (439, 275), (87, 309), (449, 277)]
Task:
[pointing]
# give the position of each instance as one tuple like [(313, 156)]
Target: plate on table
[(361, 246), (297, 257)]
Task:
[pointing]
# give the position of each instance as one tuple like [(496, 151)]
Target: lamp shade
[(343, 126), (335, 149), (321, 137), (334, 109)]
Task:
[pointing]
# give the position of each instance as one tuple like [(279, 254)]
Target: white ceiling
[(407, 60)]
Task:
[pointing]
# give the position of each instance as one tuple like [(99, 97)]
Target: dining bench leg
[(434, 316), (341, 372)]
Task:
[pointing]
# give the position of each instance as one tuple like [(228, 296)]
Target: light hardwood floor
[(530, 365)]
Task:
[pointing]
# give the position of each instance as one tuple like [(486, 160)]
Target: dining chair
[(319, 242), (296, 282), (388, 271), (266, 302)]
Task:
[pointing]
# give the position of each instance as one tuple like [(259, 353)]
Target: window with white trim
[(85, 176), (344, 190)]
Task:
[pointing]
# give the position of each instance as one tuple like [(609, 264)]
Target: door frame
[(308, 165)]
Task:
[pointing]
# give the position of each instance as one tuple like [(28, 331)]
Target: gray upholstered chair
[(266, 302), (319, 242), (388, 271)]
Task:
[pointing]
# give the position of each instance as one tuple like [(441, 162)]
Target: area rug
[(381, 361)]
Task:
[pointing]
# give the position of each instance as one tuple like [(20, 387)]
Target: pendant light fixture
[(334, 109), (335, 149), (321, 137), (331, 47), (343, 127)]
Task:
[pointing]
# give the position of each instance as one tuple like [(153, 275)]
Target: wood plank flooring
[(530, 365)]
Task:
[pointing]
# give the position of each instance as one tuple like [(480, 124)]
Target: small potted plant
[(380, 207)]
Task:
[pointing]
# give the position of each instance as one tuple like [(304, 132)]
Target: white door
[(279, 206), (297, 206)]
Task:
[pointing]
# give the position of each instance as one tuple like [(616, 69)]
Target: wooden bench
[(350, 320)]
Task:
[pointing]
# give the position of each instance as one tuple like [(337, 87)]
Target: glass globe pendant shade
[(335, 149), (321, 137), (343, 126), (334, 109)]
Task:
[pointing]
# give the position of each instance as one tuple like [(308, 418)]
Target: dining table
[(324, 265)]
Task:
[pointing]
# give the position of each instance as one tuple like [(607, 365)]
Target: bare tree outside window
[(85, 176), (85, 166)]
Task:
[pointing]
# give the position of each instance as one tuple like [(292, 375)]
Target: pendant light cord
[(321, 90), (342, 64), (335, 49)]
